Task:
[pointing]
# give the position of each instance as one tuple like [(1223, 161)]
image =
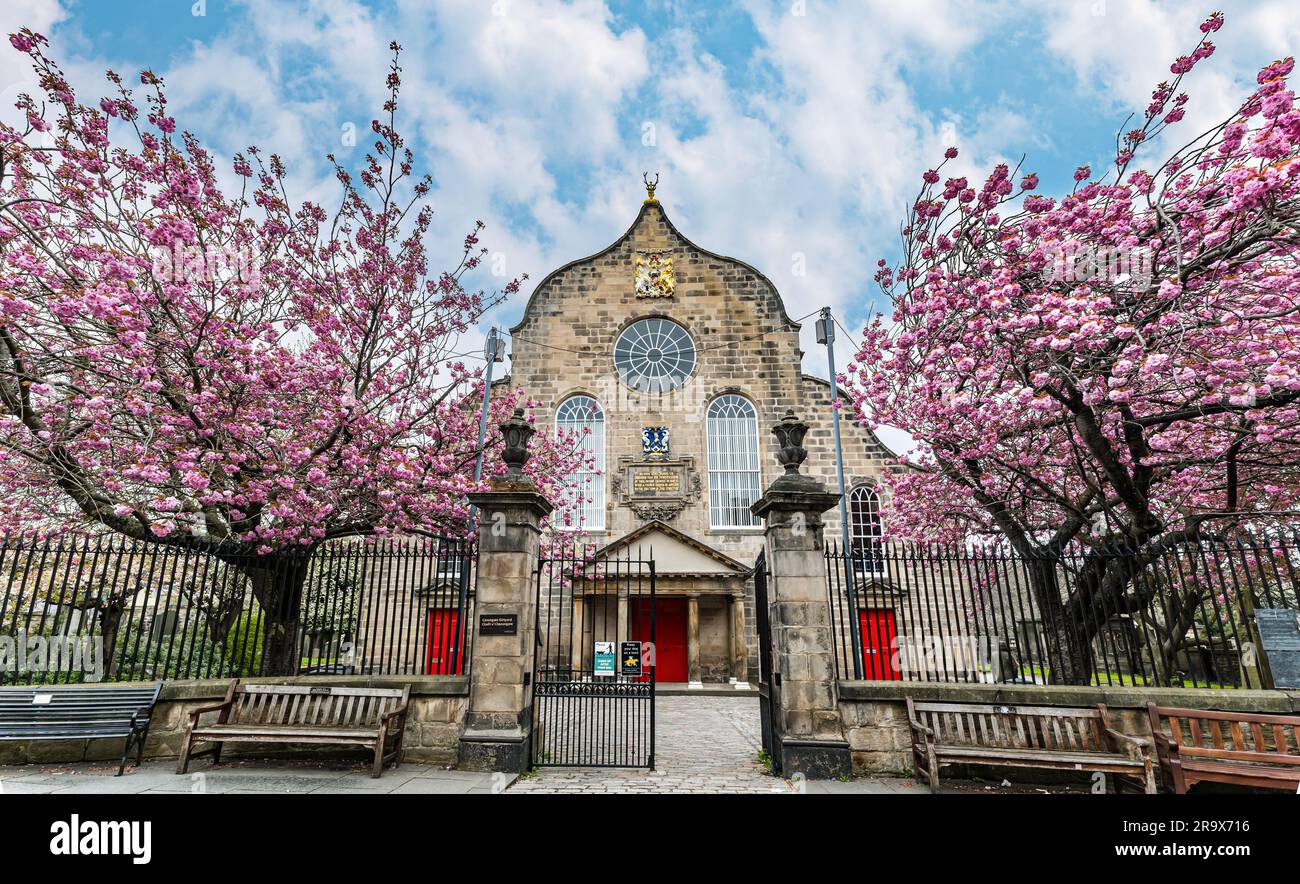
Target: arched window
[(583, 416), (734, 479), (865, 530)]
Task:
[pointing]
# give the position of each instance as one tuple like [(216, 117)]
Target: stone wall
[(433, 724), (875, 713)]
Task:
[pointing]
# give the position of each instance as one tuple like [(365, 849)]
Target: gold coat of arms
[(654, 275)]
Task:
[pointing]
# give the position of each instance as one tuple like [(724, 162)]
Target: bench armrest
[(916, 725), (211, 707), (1137, 744), (386, 719), (1163, 741)]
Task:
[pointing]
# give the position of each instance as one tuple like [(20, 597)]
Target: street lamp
[(825, 328)]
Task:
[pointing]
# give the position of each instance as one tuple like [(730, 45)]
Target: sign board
[(604, 660), (498, 624), (629, 659), (1279, 633)]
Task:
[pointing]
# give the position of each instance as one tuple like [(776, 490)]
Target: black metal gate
[(769, 681), (590, 710)]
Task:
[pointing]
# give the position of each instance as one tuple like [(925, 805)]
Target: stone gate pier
[(808, 732)]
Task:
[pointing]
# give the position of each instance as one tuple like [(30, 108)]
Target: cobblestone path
[(702, 744)]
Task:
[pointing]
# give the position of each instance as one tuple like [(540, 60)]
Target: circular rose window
[(654, 355)]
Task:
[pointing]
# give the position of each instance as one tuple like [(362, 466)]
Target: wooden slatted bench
[(1044, 737), (74, 712), (312, 714), (1258, 749)]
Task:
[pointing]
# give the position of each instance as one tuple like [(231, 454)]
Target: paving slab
[(244, 777)]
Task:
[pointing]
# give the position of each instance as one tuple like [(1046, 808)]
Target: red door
[(443, 635), (670, 636), (878, 634)]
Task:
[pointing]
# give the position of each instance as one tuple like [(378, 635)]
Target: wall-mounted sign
[(629, 659), (1279, 633), (498, 624), (604, 666)]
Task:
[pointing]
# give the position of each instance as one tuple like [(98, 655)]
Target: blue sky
[(785, 133)]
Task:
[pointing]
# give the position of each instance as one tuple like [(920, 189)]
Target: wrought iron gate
[(769, 681), (590, 710)]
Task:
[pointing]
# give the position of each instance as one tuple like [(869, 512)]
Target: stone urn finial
[(789, 436), (516, 432)]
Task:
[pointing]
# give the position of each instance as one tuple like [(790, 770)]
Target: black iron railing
[(76, 609), (1182, 616)]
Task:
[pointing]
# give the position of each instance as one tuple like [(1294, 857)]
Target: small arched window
[(865, 529), (583, 417), (734, 477)]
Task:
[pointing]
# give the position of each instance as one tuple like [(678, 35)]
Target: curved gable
[(651, 213)]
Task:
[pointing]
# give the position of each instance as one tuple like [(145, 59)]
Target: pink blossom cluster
[(315, 393), (1052, 412)]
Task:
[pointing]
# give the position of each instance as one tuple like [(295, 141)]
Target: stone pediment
[(675, 553)]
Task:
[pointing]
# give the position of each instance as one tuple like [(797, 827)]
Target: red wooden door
[(444, 632), (879, 631), (670, 636)]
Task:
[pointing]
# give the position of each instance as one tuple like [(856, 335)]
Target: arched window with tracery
[(735, 481), (865, 528), (583, 417)]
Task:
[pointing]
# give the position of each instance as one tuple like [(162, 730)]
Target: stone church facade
[(671, 364)]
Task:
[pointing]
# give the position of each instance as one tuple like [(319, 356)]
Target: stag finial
[(650, 186)]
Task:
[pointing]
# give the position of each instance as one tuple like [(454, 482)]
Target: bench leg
[(397, 745), (1176, 775), (139, 746), (126, 753), (183, 764), (216, 753), (379, 759)]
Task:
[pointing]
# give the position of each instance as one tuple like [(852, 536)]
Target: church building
[(677, 362)]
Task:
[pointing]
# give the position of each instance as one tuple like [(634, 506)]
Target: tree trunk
[(110, 617), (221, 619), (1069, 646), (277, 582)]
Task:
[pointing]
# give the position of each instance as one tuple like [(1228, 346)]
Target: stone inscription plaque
[(656, 481), (657, 489)]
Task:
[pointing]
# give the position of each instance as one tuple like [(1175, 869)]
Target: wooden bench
[(73, 712), (1045, 737), (268, 713), (1258, 749)]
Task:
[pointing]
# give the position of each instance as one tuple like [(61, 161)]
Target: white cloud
[(15, 71), (1120, 55)]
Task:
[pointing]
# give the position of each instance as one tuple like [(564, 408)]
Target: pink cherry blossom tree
[(231, 372), (1106, 375)]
